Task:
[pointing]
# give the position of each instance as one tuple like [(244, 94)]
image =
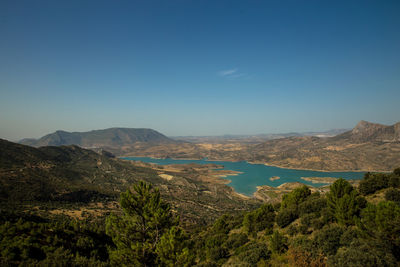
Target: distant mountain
[(329, 133), (113, 139), (371, 132), (253, 139), (368, 146)]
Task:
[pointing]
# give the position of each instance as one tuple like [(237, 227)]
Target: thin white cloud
[(234, 74), (227, 72)]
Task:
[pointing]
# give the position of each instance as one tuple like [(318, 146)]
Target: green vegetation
[(147, 233), (340, 228)]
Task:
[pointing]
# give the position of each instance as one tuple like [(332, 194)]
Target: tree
[(328, 239), (253, 252), (393, 194), (138, 231), (363, 253), (171, 249), (343, 202), (374, 182), (295, 197), (259, 219), (278, 243), (286, 217), (382, 223)]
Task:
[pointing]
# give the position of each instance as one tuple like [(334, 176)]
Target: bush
[(278, 243), (236, 240), (393, 195), (394, 181), (292, 230), (373, 182), (317, 224), (308, 218), (349, 235), (260, 219), (218, 253), (295, 197), (328, 239), (363, 253), (253, 252), (313, 204), (286, 217)]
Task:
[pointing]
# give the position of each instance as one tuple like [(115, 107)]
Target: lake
[(254, 175)]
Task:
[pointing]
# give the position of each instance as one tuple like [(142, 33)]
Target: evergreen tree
[(171, 249), (295, 197), (278, 243), (344, 203), (136, 234), (259, 219)]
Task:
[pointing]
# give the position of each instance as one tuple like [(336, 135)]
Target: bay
[(253, 175)]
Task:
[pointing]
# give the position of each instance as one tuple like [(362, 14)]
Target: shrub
[(373, 182), (278, 243), (260, 219), (253, 252), (363, 253), (295, 197), (313, 204), (328, 239), (236, 240), (393, 195), (286, 217)]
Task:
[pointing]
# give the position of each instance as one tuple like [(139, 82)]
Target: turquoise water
[(254, 175)]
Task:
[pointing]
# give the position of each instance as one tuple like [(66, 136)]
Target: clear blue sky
[(197, 67)]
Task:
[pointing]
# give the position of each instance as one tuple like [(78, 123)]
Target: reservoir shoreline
[(248, 176)]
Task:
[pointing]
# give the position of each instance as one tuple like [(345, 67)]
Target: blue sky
[(197, 67)]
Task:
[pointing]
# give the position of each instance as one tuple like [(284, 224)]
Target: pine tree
[(171, 249), (344, 202), (136, 234)]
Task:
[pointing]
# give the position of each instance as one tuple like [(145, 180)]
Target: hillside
[(367, 147), (70, 174), (371, 132), (346, 226), (113, 139), (253, 139)]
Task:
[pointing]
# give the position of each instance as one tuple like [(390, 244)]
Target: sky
[(197, 67)]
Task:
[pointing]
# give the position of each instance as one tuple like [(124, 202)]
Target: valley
[(71, 201), (69, 176), (367, 147)]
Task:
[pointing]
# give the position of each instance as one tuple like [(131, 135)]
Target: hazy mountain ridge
[(367, 147), (115, 140), (98, 138), (257, 138)]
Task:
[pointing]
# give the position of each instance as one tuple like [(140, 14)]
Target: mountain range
[(367, 147)]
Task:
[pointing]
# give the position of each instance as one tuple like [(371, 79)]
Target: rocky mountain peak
[(366, 131)]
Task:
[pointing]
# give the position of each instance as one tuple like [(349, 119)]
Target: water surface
[(254, 175)]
